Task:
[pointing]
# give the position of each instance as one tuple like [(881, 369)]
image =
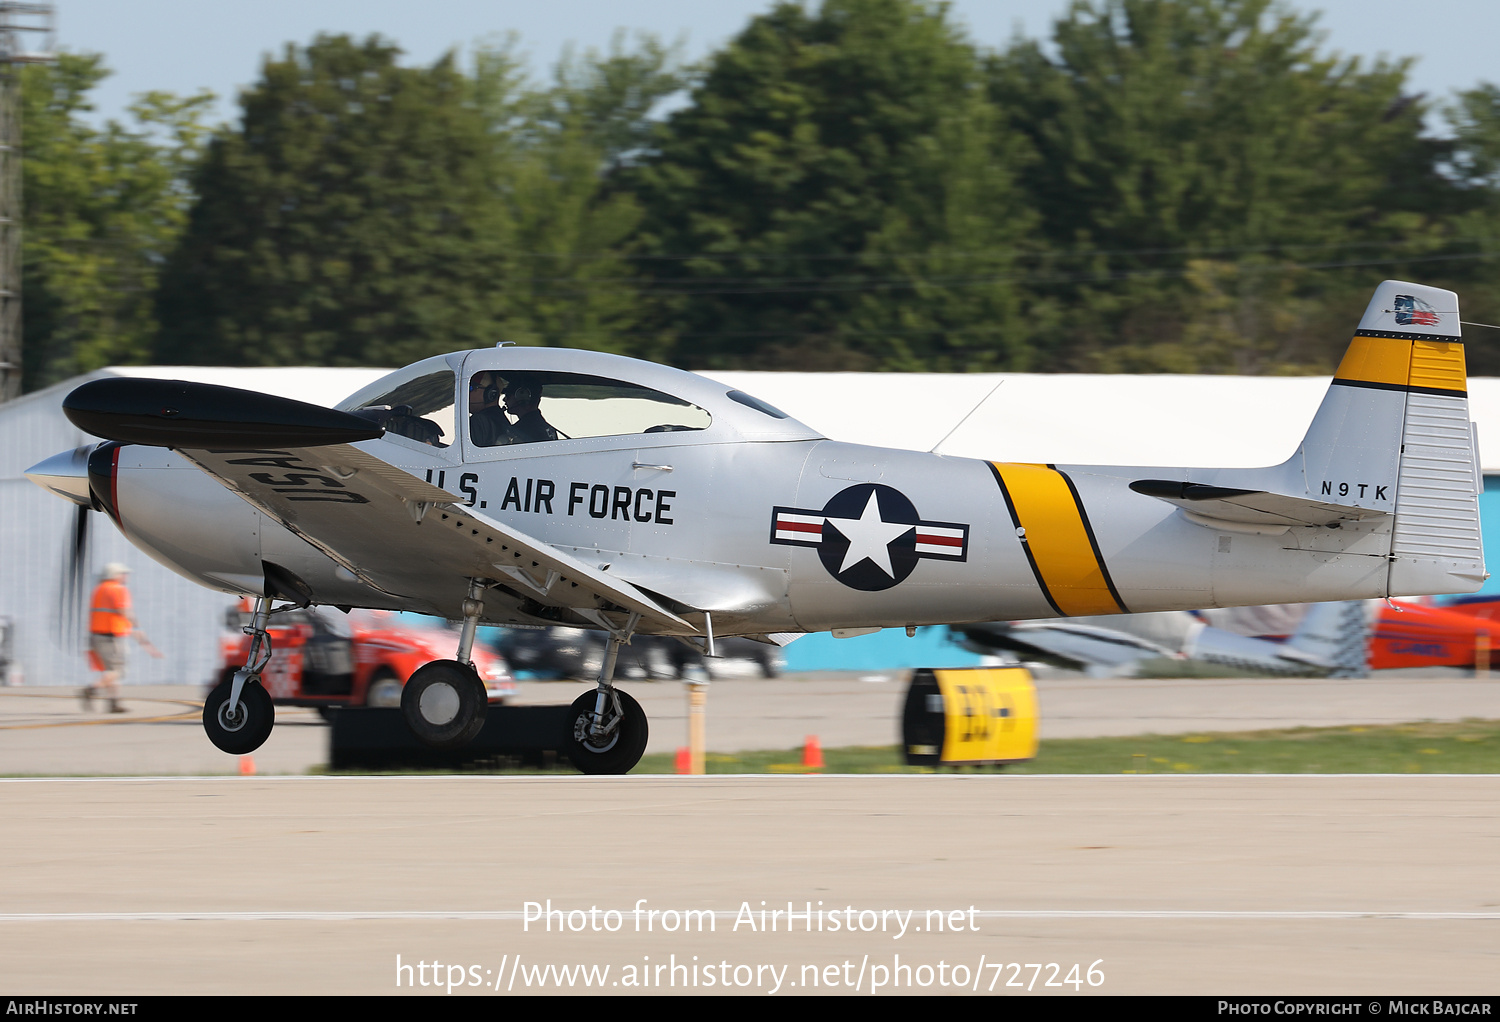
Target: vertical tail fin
[(1394, 434)]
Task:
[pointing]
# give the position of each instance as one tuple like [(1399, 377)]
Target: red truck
[(321, 657)]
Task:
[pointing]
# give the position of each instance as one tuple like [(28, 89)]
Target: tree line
[(1162, 186)]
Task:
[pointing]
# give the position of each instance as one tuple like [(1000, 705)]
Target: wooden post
[(697, 697), (1482, 655)]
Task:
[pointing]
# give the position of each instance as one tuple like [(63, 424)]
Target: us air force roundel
[(869, 536)]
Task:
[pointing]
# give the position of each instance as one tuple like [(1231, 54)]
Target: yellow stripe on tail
[(1404, 363)]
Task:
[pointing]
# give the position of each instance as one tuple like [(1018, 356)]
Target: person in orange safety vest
[(111, 622)]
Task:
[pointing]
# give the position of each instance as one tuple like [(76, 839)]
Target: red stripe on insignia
[(782, 525), (939, 540)]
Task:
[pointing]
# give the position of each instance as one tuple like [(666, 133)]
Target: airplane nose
[(66, 474)]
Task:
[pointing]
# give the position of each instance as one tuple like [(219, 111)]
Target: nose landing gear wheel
[(246, 728), (616, 751), (444, 703)]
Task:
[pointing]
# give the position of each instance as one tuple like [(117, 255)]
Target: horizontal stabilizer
[(1250, 507)]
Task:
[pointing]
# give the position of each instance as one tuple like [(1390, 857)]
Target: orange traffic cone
[(684, 760), (247, 766), (812, 754)]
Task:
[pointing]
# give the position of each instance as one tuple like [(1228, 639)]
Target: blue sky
[(186, 45)]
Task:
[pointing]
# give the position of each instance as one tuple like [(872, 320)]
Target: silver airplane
[(556, 486), (1128, 644)]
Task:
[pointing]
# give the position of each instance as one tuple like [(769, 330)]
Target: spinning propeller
[(67, 475)]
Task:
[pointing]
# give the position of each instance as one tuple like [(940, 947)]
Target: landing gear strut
[(607, 729), (239, 714), (444, 702)]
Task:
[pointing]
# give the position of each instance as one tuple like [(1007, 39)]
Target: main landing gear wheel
[(444, 703), (617, 750), (246, 728)]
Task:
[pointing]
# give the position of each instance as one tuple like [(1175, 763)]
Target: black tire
[(624, 747), (444, 703), (250, 728), (770, 667)]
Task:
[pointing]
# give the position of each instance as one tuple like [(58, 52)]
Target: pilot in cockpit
[(523, 400), (488, 425)]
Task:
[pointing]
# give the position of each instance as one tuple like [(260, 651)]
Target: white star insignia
[(870, 537)]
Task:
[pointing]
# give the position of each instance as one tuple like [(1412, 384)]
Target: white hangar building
[(1072, 419)]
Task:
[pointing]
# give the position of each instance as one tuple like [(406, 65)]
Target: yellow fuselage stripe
[(1057, 536), (1403, 362)]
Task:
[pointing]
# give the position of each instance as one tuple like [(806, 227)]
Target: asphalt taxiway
[(1276, 885), (1273, 885)]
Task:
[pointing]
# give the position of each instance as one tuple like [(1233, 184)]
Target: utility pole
[(20, 24)]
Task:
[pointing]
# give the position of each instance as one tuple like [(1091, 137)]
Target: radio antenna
[(966, 418)]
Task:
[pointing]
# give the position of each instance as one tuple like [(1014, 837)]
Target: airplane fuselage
[(783, 536)]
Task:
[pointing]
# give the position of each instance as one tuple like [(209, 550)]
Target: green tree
[(102, 207), (1199, 159), (368, 213), (568, 277), (350, 218), (1474, 117), (837, 194), (611, 97)]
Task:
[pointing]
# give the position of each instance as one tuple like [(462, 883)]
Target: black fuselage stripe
[(1025, 547), (1088, 528), (1403, 335), (1400, 387)]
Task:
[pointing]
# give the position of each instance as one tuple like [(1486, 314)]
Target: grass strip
[(1463, 747)]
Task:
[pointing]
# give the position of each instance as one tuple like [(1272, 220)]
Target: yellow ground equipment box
[(972, 715)]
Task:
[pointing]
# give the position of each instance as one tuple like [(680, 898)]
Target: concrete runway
[(1269, 885), (1369, 885)]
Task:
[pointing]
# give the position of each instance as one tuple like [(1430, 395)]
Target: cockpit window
[(419, 408), (530, 407)]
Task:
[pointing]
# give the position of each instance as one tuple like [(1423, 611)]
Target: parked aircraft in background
[(1124, 644), (1395, 635), (1409, 635)]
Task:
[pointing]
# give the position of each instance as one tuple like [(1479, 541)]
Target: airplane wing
[(1250, 507), (409, 538), (1261, 656), (299, 464), (1069, 644), (1100, 650)]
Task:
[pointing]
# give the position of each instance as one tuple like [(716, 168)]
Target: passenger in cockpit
[(523, 400)]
